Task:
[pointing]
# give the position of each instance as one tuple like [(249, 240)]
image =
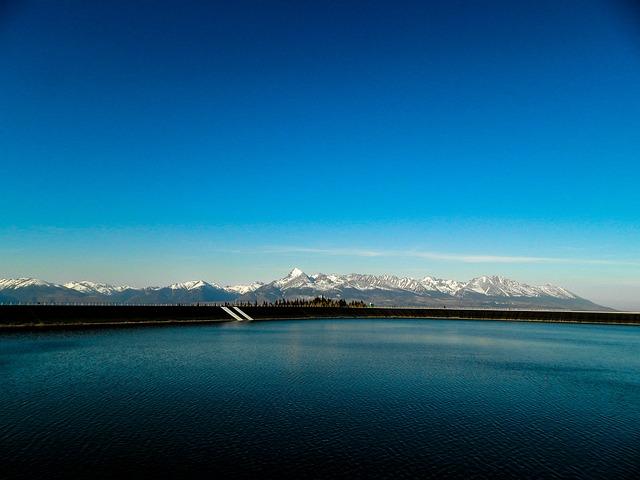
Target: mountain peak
[(14, 283), (242, 289), (190, 285), (86, 286), (296, 272), (295, 278)]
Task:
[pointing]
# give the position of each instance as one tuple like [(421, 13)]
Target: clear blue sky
[(146, 142)]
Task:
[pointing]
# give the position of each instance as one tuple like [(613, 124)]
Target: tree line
[(304, 302)]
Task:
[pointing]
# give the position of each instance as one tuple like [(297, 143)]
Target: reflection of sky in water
[(380, 395)]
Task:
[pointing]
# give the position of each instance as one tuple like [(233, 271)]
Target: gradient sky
[(147, 142)]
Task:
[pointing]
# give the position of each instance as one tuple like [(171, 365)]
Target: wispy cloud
[(442, 256)]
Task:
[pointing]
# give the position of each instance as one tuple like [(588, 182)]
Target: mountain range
[(381, 290)]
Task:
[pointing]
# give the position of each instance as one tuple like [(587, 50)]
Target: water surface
[(323, 398)]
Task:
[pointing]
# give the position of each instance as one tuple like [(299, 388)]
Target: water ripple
[(323, 399)]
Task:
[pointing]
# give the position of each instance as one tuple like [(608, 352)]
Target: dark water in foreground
[(323, 398)]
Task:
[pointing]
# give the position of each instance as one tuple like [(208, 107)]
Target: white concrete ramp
[(237, 309), (232, 313)]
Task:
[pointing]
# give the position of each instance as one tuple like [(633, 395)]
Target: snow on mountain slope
[(497, 286), (93, 287), (298, 282), (15, 283), (557, 292), (193, 285), (383, 282), (449, 287), (486, 285), (296, 279), (242, 289), (322, 282), (325, 283)]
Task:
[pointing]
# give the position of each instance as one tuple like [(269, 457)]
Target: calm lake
[(323, 398)]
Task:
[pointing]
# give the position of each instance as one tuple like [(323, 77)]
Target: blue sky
[(149, 142)]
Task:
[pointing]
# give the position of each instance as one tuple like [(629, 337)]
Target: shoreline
[(65, 317)]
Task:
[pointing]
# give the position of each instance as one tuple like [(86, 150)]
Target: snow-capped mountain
[(96, 288), (242, 289), (16, 283), (494, 286), (503, 287), (450, 287), (192, 285), (296, 279), (494, 291), (484, 291), (32, 290)]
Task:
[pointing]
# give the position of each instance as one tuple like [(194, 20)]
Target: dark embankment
[(66, 316), (43, 316)]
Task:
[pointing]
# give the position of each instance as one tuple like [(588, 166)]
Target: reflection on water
[(323, 398)]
